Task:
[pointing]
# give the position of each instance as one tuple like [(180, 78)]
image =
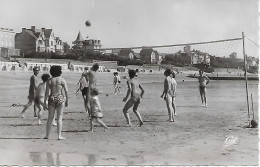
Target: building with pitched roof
[(88, 44), (38, 40)]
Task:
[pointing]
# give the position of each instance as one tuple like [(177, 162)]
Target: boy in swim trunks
[(91, 77), (39, 98), (84, 87), (32, 89), (95, 109), (203, 82), (133, 89)]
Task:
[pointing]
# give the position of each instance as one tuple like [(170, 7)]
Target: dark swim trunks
[(85, 91)]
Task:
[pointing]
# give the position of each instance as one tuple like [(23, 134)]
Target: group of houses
[(29, 41), (33, 40)]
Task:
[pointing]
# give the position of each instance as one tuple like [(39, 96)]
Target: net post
[(245, 64)]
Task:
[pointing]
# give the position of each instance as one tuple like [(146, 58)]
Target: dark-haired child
[(134, 88), (116, 82), (39, 98), (95, 109)]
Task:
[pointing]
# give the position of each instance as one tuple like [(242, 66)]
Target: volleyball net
[(220, 48)]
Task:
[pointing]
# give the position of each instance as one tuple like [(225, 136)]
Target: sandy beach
[(216, 135)]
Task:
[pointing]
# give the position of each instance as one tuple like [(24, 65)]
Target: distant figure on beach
[(91, 77), (116, 82), (203, 82), (84, 87), (56, 99), (32, 91), (95, 109), (135, 99), (169, 93)]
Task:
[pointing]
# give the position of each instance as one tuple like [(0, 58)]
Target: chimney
[(23, 29), (33, 28)]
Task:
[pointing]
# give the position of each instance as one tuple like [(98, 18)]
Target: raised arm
[(207, 78)]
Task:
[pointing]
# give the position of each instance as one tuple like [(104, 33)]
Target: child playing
[(169, 93), (95, 109), (172, 75), (133, 89), (84, 87), (39, 98), (116, 82)]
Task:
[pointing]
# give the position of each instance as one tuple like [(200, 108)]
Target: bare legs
[(27, 106), (169, 104), (203, 93), (59, 120), (128, 105), (86, 103), (100, 122), (173, 106)]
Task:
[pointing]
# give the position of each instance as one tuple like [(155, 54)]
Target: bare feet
[(141, 123), (54, 124), (39, 123), (105, 129), (61, 138), (22, 116), (129, 125)]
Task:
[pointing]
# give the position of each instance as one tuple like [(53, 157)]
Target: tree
[(66, 47), (233, 55)]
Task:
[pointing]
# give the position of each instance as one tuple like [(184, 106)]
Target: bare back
[(92, 78), (40, 92), (56, 85)]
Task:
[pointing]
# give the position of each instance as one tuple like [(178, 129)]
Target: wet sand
[(197, 137)]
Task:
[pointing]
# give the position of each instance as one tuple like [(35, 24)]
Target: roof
[(31, 34), (79, 38), (137, 55), (37, 34), (47, 33)]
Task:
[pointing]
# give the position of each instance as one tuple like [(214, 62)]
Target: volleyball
[(87, 23)]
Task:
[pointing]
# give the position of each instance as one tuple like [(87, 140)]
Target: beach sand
[(199, 136)]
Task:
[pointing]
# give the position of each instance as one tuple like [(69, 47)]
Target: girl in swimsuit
[(55, 88)]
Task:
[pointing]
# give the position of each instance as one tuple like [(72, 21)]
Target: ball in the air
[(87, 23)]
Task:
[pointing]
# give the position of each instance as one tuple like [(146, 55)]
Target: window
[(51, 43)]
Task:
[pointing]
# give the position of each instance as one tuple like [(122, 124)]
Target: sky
[(136, 23)]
